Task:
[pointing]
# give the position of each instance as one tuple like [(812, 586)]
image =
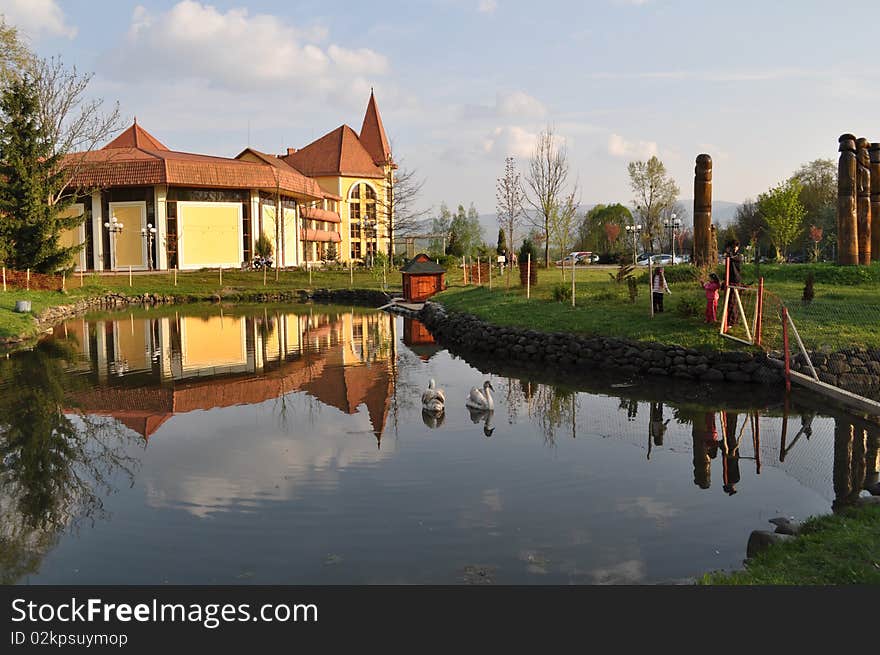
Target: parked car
[(575, 257), (659, 260)]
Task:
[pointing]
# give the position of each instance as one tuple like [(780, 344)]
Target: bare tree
[(398, 205), (14, 54), (548, 172), (72, 121), (509, 197)]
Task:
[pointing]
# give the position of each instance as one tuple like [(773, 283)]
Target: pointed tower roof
[(339, 152), (373, 134), (135, 137)]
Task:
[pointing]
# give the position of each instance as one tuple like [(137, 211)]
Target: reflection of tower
[(849, 462), (705, 448), (730, 446)]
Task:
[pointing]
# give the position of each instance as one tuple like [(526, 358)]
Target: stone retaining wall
[(569, 351)]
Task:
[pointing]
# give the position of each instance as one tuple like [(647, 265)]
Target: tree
[(398, 205), (441, 224), (593, 231), (30, 230), (546, 178), (74, 123), (501, 248), (783, 213), (655, 194), (562, 223), (510, 198), (818, 194), (331, 253), (15, 58), (467, 230)]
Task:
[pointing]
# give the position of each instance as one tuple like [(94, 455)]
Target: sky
[(763, 87)]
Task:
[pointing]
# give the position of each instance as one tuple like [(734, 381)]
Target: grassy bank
[(195, 284), (842, 313), (839, 549)]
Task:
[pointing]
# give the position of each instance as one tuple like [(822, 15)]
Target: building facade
[(147, 207)]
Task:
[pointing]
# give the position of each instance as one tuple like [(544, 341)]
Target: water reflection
[(259, 427)]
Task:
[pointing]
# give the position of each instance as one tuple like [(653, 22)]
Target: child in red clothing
[(712, 287)]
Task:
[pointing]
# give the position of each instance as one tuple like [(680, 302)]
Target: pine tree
[(30, 229), (501, 248)]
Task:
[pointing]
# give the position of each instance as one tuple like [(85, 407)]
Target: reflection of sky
[(292, 491)]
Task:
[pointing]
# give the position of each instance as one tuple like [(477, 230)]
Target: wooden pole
[(4, 278), (221, 276), (529, 275), (384, 275), (479, 273), (785, 348), (264, 275), (129, 275), (80, 278), (175, 276), (572, 284), (309, 266), (28, 279), (64, 281), (651, 284), (350, 275)]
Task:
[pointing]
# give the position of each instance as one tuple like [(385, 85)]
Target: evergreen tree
[(31, 226), (501, 248)]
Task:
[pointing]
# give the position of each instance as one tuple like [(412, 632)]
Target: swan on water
[(433, 399), (481, 399)]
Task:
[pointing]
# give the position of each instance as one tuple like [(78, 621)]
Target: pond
[(287, 445)]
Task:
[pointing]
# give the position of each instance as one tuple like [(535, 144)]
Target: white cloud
[(36, 17), (620, 147), (487, 6), (510, 140), (237, 50), (508, 104)]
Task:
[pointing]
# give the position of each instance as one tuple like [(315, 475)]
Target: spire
[(135, 137), (373, 134)]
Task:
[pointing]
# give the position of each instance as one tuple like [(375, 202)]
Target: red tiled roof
[(373, 134), (317, 214), (127, 165), (331, 196), (339, 152), (136, 137), (308, 234)]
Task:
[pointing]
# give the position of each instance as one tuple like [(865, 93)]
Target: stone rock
[(737, 376), (786, 526), (712, 375), (761, 540)]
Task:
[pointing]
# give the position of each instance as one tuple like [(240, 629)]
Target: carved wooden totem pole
[(703, 234), (847, 224), (863, 200), (874, 153)]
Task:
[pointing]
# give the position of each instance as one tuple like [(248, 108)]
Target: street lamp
[(114, 227), (149, 234), (635, 230), (673, 224)]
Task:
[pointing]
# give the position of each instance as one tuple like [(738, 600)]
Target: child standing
[(711, 287), (658, 288)]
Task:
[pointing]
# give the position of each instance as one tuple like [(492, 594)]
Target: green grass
[(841, 315), (837, 549), (194, 285)]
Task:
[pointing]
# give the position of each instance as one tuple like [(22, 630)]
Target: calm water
[(287, 445)]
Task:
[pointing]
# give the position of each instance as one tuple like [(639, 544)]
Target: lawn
[(192, 284), (843, 313), (837, 549)]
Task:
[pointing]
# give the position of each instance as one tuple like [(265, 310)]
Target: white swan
[(481, 399), (484, 415), (433, 400)]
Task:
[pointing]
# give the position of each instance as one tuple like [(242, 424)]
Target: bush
[(824, 273), (633, 287), (528, 248), (263, 246), (687, 307), (809, 292), (562, 293), (624, 272)]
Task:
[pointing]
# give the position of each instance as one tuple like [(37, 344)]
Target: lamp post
[(635, 230), (114, 227), (149, 233), (673, 224)]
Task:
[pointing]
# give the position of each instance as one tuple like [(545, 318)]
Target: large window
[(362, 211), (356, 250)]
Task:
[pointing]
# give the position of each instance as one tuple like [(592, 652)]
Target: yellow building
[(150, 207)]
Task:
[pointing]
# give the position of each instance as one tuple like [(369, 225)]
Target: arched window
[(362, 211)]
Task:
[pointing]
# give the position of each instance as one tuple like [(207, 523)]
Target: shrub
[(263, 246), (624, 272), (528, 248), (562, 293), (633, 287), (809, 292), (330, 254), (687, 307)]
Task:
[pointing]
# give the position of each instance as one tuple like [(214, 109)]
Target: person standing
[(734, 276), (658, 288), (711, 288)]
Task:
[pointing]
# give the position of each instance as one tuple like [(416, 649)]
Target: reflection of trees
[(54, 469), (631, 405), (551, 407), (856, 461)]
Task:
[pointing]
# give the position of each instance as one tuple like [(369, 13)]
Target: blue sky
[(761, 86)]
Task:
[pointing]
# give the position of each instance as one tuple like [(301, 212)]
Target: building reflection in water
[(144, 370), (856, 460)]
